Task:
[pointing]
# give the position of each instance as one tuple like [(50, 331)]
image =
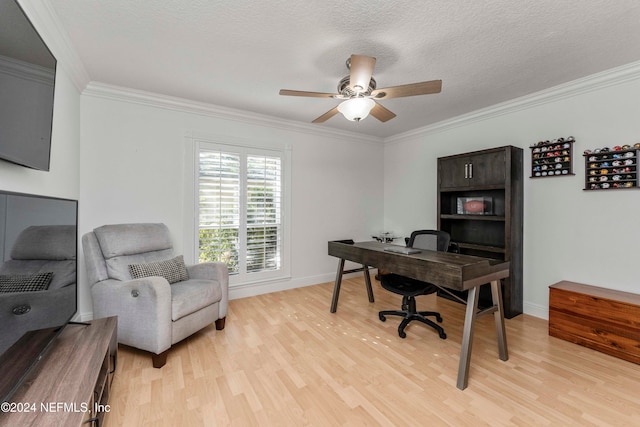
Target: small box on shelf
[(474, 206)]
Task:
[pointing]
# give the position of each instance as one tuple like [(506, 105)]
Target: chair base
[(410, 313)]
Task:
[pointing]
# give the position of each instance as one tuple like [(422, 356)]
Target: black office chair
[(410, 288)]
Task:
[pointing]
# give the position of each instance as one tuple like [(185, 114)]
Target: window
[(241, 206)]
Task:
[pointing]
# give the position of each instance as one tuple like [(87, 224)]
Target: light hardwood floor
[(284, 360)]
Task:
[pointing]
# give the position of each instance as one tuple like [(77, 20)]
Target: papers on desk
[(402, 250)]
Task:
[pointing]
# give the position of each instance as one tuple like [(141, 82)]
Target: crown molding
[(134, 96), (48, 25), (612, 77), (44, 18)]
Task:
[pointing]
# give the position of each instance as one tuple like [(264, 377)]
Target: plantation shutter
[(263, 213), (219, 208), (240, 210)]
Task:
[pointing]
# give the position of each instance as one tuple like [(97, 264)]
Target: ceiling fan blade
[(361, 69), (326, 116), (412, 89), (288, 92), (381, 113)]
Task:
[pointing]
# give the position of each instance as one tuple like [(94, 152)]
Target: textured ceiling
[(240, 53)]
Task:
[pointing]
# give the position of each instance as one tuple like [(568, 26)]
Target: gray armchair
[(152, 314)]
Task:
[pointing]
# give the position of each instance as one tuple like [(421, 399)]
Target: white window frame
[(244, 148)]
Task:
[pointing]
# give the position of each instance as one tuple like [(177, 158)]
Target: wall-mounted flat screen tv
[(27, 80)]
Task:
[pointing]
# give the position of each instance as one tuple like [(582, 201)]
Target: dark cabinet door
[(474, 170), (487, 168), (454, 172)]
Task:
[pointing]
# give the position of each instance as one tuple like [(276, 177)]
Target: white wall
[(133, 170), (569, 234), (129, 167)]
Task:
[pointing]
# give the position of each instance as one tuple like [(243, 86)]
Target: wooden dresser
[(70, 386), (602, 319)]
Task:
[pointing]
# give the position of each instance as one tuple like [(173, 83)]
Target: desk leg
[(336, 286), (467, 337), (498, 315), (367, 281)]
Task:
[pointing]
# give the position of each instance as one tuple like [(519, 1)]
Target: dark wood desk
[(443, 269)]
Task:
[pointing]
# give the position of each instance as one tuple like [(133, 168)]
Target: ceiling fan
[(359, 94)]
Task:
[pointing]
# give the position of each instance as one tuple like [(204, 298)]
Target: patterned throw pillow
[(173, 270), (25, 282)]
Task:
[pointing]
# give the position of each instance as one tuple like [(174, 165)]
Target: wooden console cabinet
[(494, 177), (70, 386), (602, 319)]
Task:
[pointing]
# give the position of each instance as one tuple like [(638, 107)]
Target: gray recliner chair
[(152, 314)]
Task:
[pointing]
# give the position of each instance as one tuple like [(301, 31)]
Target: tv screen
[(27, 80), (38, 295)]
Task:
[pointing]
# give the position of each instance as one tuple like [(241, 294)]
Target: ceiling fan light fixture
[(359, 92), (356, 109)]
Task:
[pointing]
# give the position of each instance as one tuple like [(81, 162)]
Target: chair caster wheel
[(439, 318), (381, 316), (443, 335), (402, 334)]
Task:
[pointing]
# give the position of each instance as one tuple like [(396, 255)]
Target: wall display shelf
[(552, 158), (480, 206), (607, 169)]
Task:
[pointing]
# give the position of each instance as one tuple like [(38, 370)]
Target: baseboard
[(82, 317), (254, 289), (536, 310)]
